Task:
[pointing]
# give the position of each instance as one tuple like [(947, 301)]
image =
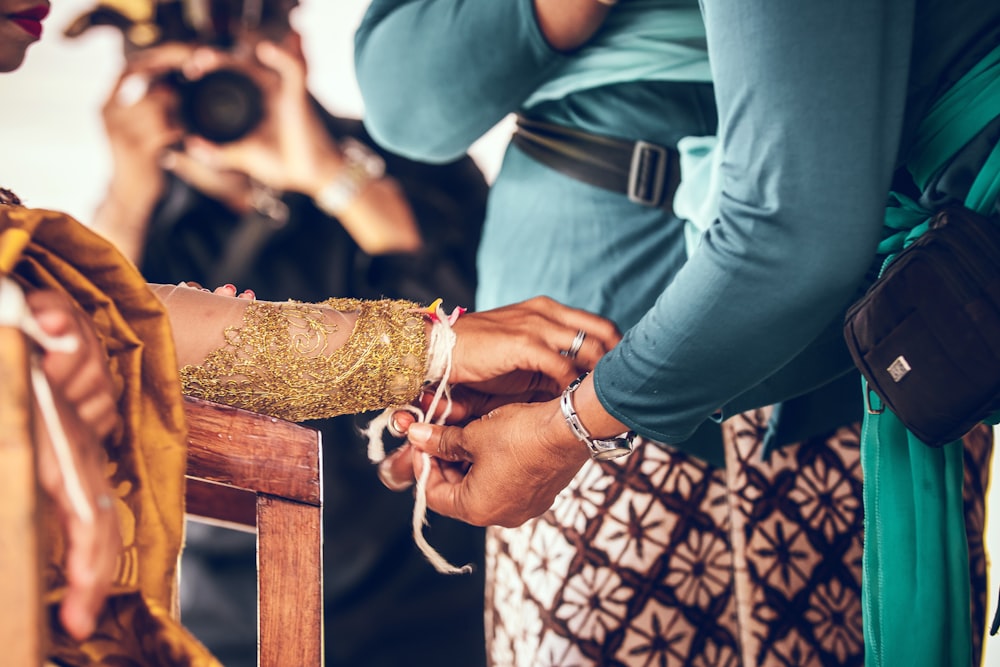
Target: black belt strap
[(647, 173)]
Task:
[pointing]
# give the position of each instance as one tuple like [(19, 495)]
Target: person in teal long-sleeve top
[(817, 105)]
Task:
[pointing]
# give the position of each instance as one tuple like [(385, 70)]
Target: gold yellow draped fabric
[(47, 249)]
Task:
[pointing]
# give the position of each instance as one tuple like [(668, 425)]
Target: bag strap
[(952, 121), (956, 117)]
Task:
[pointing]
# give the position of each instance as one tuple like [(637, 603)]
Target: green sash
[(915, 590)]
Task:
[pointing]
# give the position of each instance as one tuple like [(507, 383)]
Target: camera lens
[(222, 106)]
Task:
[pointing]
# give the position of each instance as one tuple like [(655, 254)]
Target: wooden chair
[(248, 471)]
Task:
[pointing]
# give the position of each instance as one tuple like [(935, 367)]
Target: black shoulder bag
[(926, 335)]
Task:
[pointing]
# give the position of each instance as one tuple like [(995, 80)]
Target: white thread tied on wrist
[(14, 312), (439, 363)]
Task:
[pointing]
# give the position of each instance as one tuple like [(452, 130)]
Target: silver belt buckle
[(647, 174)]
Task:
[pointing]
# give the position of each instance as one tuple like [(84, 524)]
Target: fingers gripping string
[(439, 365), (378, 425), (14, 312)]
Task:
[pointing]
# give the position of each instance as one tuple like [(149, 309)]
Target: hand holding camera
[(289, 149), (147, 136)]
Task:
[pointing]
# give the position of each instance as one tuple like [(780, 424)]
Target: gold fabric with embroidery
[(147, 455), (279, 361)]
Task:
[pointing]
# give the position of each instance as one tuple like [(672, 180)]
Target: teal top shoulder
[(436, 75)]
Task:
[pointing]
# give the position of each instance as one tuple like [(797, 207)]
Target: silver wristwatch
[(362, 165), (600, 450)]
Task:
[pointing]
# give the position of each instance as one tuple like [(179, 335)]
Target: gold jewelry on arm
[(280, 360)]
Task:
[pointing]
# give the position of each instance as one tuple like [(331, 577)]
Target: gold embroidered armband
[(279, 361)]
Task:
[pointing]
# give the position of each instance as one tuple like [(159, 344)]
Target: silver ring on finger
[(574, 348), (104, 502), (394, 430)]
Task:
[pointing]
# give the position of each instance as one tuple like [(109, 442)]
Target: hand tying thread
[(14, 313), (439, 363)]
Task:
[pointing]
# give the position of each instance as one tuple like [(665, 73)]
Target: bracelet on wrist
[(362, 165), (600, 449)]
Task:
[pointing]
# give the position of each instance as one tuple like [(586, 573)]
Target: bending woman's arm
[(810, 109), (303, 361)]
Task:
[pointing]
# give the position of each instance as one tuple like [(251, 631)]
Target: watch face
[(605, 450), (613, 453)]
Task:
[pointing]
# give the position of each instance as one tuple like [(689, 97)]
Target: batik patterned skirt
[(659, 559)]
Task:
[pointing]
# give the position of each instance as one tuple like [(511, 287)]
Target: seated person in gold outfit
[(291, 360)]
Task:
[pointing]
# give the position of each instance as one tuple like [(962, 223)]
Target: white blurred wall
[(53, 153)]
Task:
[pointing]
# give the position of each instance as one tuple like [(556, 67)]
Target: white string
[(439, 365), (14, 313), (60, 443), (377, 426)]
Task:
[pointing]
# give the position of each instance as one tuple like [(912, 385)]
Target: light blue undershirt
[(641, 40)]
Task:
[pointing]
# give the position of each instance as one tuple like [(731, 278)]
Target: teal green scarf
[(915, 590)]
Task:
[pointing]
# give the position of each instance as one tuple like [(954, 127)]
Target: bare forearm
[(378, 216)]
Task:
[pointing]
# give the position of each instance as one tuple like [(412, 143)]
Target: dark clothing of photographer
[(384, 604)]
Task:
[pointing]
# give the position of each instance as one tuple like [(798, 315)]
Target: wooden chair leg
[(22, 614), (289, 583), (254, 472)]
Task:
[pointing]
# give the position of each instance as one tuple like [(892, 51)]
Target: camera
[(226, 104), (223, 106)]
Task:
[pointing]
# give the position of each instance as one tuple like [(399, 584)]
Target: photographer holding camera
[(227, 171)]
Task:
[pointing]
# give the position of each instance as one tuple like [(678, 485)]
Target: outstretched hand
[(536, 346), (84, 397)]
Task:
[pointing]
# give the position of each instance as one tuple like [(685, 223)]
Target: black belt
[(647, 173)]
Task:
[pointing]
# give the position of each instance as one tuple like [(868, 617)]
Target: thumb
[(203, 153), (203, 163), (443, 442)]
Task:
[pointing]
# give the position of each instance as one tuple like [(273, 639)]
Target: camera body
[(226, 104), (223, 106)]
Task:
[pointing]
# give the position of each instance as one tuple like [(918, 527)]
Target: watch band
[(361, 166), (600, 449)]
